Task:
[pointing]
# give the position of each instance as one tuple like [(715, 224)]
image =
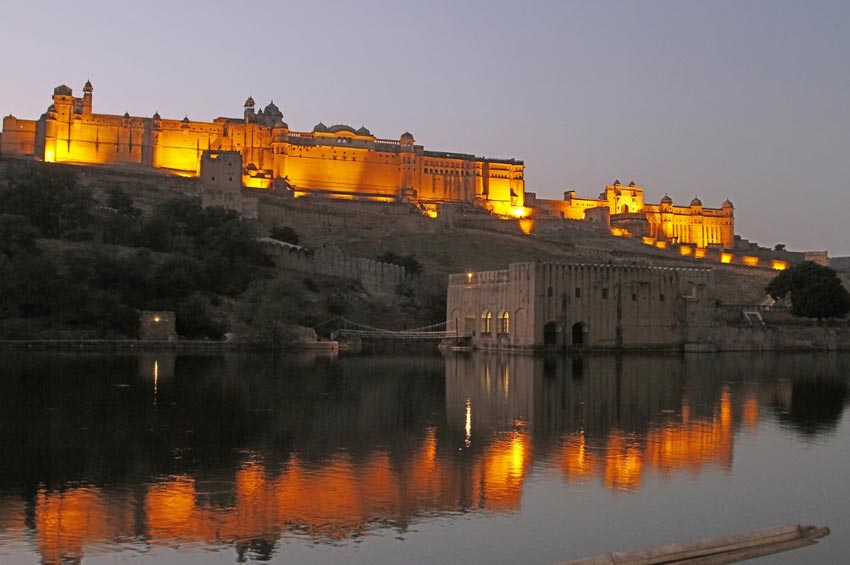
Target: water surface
[(164, 458)]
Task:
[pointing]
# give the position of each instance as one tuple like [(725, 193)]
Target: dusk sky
[(742, 99)]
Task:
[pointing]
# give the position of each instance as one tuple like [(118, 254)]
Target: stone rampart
[(375, 276)]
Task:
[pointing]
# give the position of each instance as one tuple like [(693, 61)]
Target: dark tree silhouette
[(816, 291)]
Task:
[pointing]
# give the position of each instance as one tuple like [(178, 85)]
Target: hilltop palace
[(341, 162)]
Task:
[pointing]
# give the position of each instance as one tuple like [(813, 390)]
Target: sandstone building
[(334, 161), (338, 162), (693, 224), (548, 305)]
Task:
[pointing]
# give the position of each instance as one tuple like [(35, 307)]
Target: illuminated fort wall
[(693, 224), (336, 161), (532, 305)]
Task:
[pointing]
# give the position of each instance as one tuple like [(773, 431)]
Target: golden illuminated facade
[(693, 224), (336, 161)]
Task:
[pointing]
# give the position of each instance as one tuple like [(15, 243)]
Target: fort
[(260, 151)]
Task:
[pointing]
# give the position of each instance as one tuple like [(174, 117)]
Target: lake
[(469, 458)]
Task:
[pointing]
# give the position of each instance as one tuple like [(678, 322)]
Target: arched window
[(486, 321), (504, 322)]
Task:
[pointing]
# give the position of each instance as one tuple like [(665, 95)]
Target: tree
[(17, 236), (816, 291), (285, 234), (50, 199), (410, 263)]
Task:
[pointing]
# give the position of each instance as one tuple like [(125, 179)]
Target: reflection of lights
[(155, 379), (526, 226), (517, 455), (156, 319), (469, 277), (468, 426)]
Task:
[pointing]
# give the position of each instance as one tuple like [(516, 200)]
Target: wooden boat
[(716, 551)]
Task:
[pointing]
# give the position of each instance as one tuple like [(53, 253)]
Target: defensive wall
[(375, 276)]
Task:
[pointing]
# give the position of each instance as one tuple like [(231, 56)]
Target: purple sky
[(745, 99)]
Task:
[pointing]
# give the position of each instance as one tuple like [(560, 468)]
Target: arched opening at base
[(579, 331), (551, 334)]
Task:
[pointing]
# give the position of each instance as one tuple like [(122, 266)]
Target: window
[(504, 322), (578, 292), (661, 297), (605, 292), (549, 292), (634, 297), (486, 320)]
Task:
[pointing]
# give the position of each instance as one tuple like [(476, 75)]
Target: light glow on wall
[(778, 265), (751, 261)]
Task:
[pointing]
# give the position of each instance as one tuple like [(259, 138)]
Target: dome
[(320, 127), (156, 116), (363, 131), (250, 102), (666, 199), (63, 89), (126, 115), (696, 202), (406, 136), (272, 108), (185, 119), (728, 204), (617, 182), (88, 87), (341, 127), (632, 183)]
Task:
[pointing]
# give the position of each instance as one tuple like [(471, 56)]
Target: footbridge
[(439, 331)]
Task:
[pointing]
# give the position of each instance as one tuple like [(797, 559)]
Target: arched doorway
[(579, 329), (551, 334)]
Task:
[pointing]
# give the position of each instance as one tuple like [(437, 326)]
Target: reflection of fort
[(381, 444)]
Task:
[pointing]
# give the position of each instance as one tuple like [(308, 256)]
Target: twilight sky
[(737, 98)]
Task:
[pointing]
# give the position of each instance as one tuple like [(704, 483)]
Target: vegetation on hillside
[(78, 264)]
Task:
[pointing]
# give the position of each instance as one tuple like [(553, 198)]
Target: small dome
[(88, 87), (63, 89), (126, 115), (156, 116), (632, 183), (272, 107), (728, 204), (666, 199), (617, 182), (340, 128), (696, 202), (320, 127), (250, 102), (363, 131), (406, 136), (185, 119)]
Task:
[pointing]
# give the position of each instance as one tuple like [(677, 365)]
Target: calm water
[(157, 458)]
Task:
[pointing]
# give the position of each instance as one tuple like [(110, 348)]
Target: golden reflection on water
[(348, 493)]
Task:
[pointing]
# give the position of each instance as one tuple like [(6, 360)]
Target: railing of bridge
[(440, 331)]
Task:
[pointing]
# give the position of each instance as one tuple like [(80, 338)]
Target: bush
[(285, 234)]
